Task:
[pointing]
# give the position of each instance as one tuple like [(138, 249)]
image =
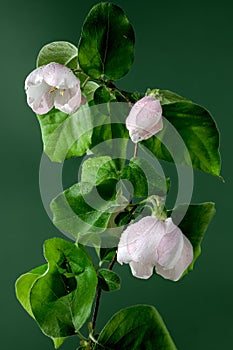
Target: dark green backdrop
[(185, 46)]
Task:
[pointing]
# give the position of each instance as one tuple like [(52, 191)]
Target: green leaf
[(89, 90), (140, 171), (59, 51), (194, 224), (98, 169), (199, 133), (64, 135), (24, 285), (107, 254), (108, 280), (166, 96), (61, 299), (135, 328), (106, 47), (80, 210), (57, 342), (103, 95)]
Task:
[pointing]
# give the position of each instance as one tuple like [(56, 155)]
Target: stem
[(96, 307), (84, 83), (99, 293), (135, 150)]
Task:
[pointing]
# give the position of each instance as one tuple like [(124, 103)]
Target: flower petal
[(144, 119), (182, 264), (171, 245), (68, 101), (143, 239), (39, 98), (35, 78), (60, 76), (140, 270), (123, 255)]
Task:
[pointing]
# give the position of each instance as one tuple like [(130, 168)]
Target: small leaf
[(134, 328), (107, 254), (166, 96), (199, 133), (59, 51), (89, 90), (64, 135), (61, 299), (194, 224), (108, 280), (106, 47)]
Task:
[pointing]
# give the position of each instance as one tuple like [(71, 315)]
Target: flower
[(151, 243), (53, 85), (144, 119)]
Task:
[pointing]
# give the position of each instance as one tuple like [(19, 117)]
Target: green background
[(184, 46)]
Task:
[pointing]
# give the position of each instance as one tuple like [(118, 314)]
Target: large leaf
[(59, 51), (23, 287), (135, 328), (106, 47), (64, 135), (198, 131), (61, 299), (98, 169), (144, 178), (80, 210), (194, 224)]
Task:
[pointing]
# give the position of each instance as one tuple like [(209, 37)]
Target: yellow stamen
[(53, 88), (61, 92)]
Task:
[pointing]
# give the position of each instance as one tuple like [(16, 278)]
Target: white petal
[(60, 76), (171, 245), (39, 98), (35, 78), (140, 270), (182, 264), (123, 255), (68, 101), (143, 239), (145, 119)]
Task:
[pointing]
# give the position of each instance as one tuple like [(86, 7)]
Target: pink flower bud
[(151, 243), (144, 119), (53, 85)]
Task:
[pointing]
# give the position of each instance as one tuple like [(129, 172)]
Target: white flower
[(53, 85), (151, 243), (144, 119)]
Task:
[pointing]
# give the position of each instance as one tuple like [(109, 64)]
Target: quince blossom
[(151, 243), (53, 85), (144, 119)]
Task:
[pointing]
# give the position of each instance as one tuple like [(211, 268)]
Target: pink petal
[(60, 76), (143, 239), (182, 264), (140, 270), (171, 245), (39, 98), (145, 119), (68, 101), (35, 78), (123, 255)]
